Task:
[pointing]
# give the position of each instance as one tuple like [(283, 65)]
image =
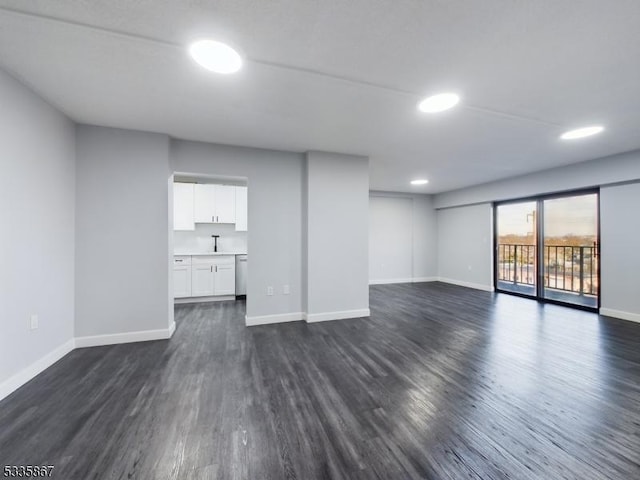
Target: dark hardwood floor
[(442, 382)]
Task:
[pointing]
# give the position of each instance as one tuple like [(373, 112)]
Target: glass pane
[(570, 250), (516, 256)]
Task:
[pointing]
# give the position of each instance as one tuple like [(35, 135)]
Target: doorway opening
[(209, 239), (548, 248)]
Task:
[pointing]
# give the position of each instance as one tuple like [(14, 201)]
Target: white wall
[(390, 239), (337, 199), (603, 171), (37, 241), (275, 219), (425, 238), (402, 238), (620, 259), (304, 264), (465, 241), (122, 237)]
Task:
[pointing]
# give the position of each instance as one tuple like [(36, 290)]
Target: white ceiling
[(345, 76)]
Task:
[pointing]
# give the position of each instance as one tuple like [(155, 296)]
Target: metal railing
[(567, 268), (517, 263)]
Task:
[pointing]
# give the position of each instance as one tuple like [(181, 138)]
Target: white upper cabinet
[(215, 203), (241, 209), (205, 203), (183, 206), (225, 204)]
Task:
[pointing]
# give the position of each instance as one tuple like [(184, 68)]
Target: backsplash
[(200, 241)]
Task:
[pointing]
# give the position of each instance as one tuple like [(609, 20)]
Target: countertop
[(196, 254)]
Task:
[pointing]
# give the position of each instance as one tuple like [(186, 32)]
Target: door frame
[(539, 200)]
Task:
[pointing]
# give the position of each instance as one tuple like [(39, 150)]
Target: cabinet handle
[(217, 218), (178, 261), (213, 219), (216, 268), (211, 269)]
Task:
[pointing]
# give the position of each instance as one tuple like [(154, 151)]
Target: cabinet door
[(183, 206), (202, 280), (181, 281), (225, 283), (225, 204), (241, 209), (205, 203)]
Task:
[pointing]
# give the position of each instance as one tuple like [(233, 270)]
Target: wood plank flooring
[(442, 382)]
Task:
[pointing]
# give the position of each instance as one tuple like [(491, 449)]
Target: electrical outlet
[(269, 290), (33, 323), (286, 290)]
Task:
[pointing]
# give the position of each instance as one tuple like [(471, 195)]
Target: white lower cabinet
[(181, 277), (225, 278), (181, 282), (202, 281), (213, 275)]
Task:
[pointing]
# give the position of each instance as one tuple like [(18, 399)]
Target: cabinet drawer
[(181, 260), (213, 260), (203, 260), (225, 260)]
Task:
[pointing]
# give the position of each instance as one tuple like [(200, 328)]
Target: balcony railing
[(567, 268)]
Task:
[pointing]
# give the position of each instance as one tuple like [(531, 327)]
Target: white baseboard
[(477, 286), (309, 318), (424, 279), (127, 337), (277, 318), (632, 317), (386, 281), (342, 315), (217, 298), (13, 383)]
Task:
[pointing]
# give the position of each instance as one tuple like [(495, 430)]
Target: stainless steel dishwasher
[(241, 275)]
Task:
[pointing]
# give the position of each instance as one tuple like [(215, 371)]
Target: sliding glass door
[(571, 273), (547, 248), (516, 247)]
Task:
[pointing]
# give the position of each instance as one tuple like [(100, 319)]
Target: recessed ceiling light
[(438, 103), (582, 132), (421, 181), (215, 56)]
